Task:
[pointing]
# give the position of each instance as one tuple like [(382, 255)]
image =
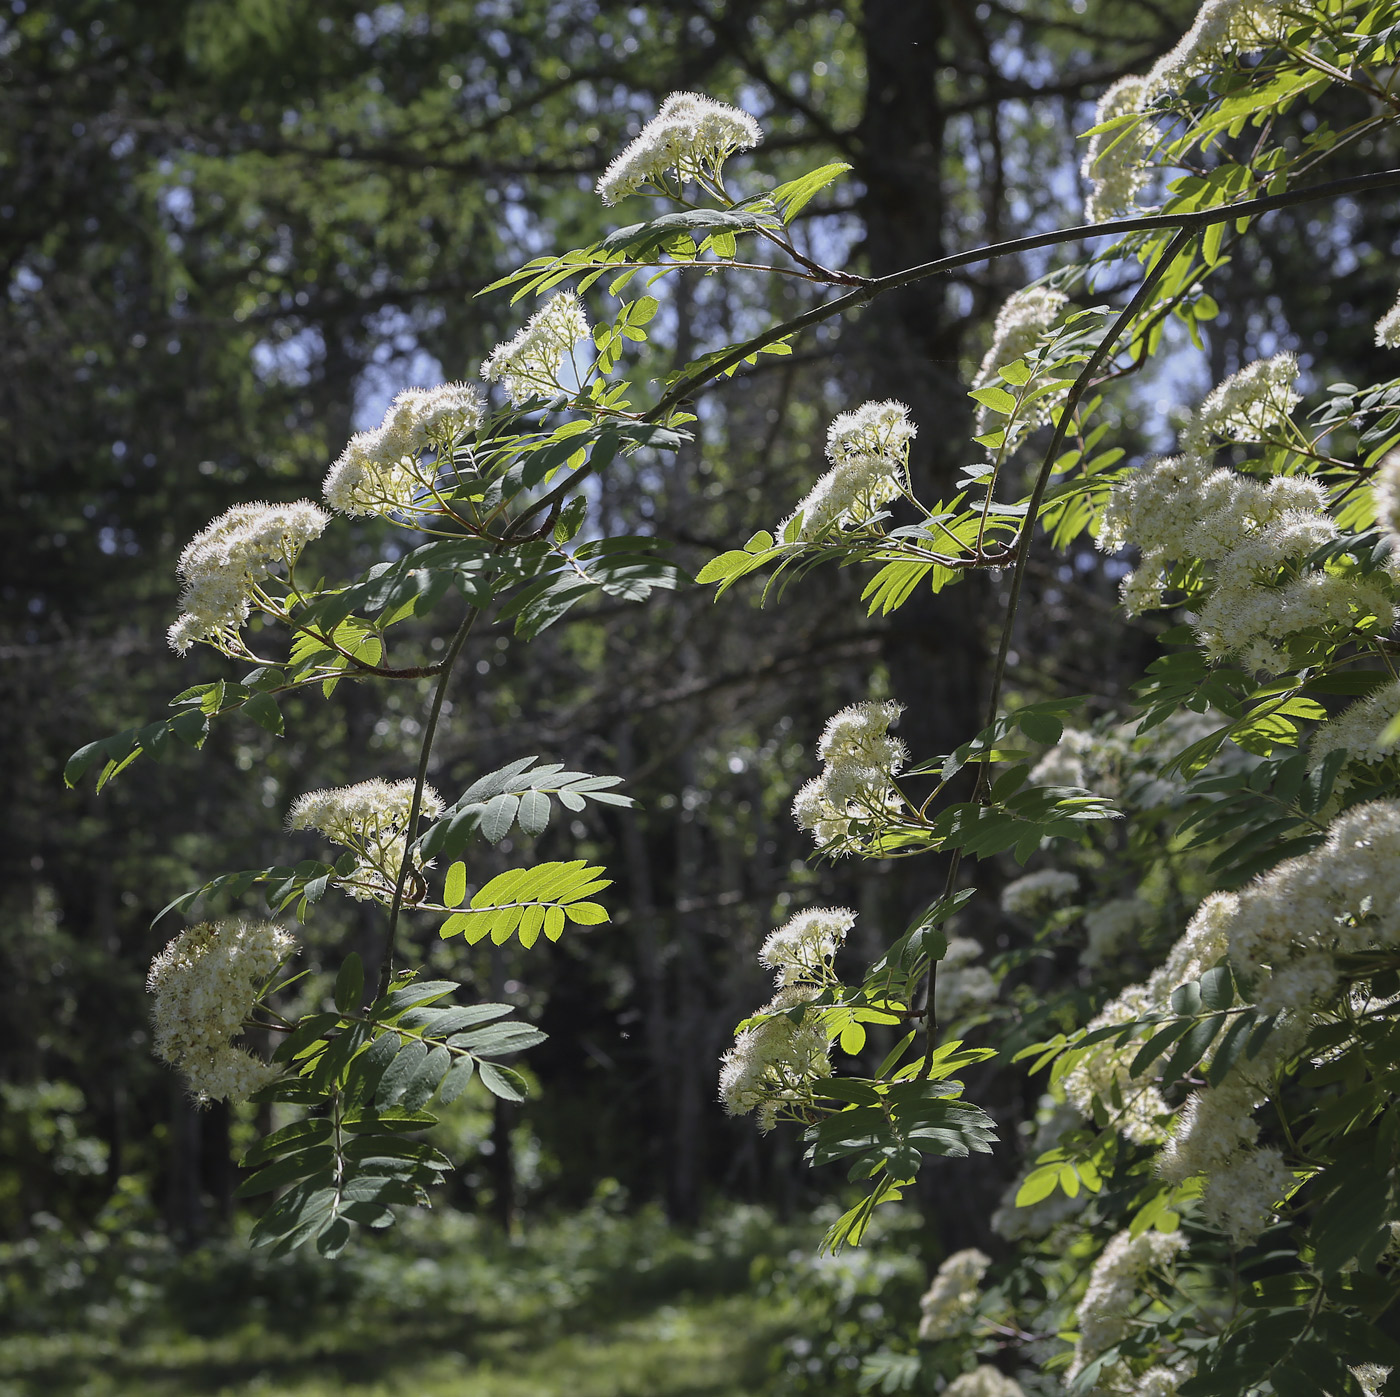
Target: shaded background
[(230, 230)]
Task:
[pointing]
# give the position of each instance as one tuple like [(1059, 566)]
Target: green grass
[(592, 1306)]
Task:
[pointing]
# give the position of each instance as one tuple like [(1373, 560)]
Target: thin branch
[(1194, 221)]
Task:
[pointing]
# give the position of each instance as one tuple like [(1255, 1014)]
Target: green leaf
[(455, 885), (533, 814), (501, 1081), (263, 710), (349, 984), (1041, 727), (587, 913), (791, 198)]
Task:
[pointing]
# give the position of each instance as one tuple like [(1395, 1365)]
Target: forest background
[(231, 231)]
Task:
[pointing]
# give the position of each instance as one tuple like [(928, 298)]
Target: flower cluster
[(1020, 323), (961, 987), (1115, 1290), (1388, 328), (949, 1303), (380, 472), (1222, 27), (1101, 1073), (1385, 494), (691, 136), (856, 785), (869, 454), (205, 983), (801, 950), (527, 366), (1359, 729), (1110, 926), (1258, 536), (1037, 892), (1116, 163), (983, 1381), (1248, 406), (369, 819), (774, 1061), (224, 563), (1282, 935)]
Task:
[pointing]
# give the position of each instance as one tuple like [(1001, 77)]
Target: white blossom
[(1116, 162), (983, 1381), (691, 136), (1247, 406), (869, 452), (204, 985), (224, 563), (947, 1306), (775, 1061), (1385, 493), (961, 987), (1115, 1290), (1256, 536), (527, 366), (1110, 926), (1024, 317), (1371, 1376), (380, 471), (802, 948), (1101, 1073), (1358, 729), (1037, 892), (1241, 1194), (1388, 328), (861, 761), (1221, 27), (370, 819)]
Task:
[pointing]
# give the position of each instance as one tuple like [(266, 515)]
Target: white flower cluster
[(1125, 763), (1257, 536), (1248, 406), (947, 1306), (1359, 729), (380, 472), (861, 761), (691, 135), (369, 819), (1221, 27), (223, 564), (1101, 1074), (1071, 761), (1116, 163), (869, 454), (802, 949), (1385, 494), (1024, 318), (775, 1061), (983, 1381), (1371, 1376), (1110, 926), (1285, 933), (1037, 892), (1388, 328), (961, 987), (527, 366), (205, 983), (1115, 1290), (1282, 935)]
